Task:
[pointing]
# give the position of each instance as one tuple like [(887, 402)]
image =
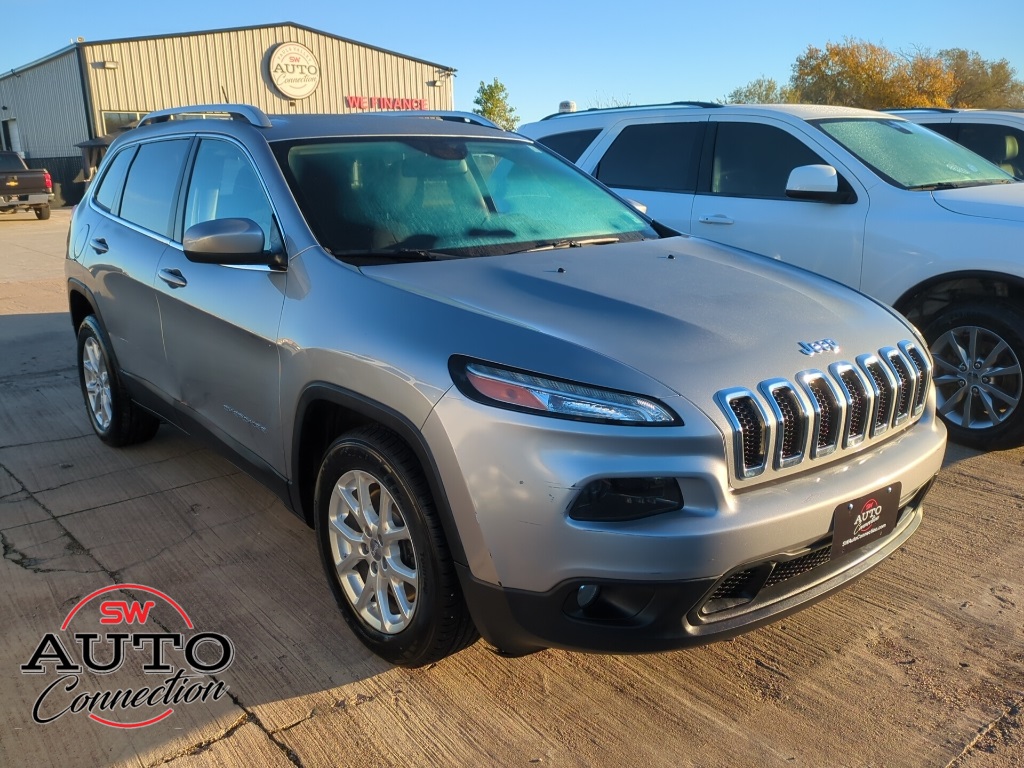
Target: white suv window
[(755, 160), (1002, 145), (662, 157)]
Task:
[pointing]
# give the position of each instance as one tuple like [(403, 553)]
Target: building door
[(12, 141)]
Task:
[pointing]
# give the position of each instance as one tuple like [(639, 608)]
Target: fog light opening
[(627, 498), (587, 594)]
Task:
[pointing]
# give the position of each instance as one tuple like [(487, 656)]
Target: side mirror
[(236, 242), (815, 182)]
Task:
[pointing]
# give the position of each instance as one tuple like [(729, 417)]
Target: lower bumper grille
[(744, 586)]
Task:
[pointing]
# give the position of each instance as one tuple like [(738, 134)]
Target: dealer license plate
[(869, 518)]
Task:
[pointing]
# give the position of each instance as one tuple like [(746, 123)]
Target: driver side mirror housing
[(819, 183), (234, 242)]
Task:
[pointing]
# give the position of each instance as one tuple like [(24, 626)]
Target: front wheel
[(978, 351), (384, 552)]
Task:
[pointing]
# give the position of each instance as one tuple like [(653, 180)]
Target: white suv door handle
[(717, 218)]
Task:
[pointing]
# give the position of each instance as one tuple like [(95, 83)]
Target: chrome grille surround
[(922, 364), (858, 392), (829, 412), (781, 424), (751, 429), (787, 409)]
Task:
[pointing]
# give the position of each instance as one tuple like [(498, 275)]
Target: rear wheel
[(978, 350), (384, 552), (114, 417), (42, 211)]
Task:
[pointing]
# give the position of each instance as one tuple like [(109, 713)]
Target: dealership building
[(58, 111)]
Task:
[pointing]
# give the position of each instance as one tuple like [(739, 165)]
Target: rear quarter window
[(109, 191), (570, 145)]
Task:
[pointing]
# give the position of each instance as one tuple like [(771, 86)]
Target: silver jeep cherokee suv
[(507, 402)]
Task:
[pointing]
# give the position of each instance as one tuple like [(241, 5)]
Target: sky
[(595, 53)]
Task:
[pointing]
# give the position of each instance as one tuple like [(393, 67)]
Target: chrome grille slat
[(906, 384), (785, 424), (826, 429), (924, 374), (859, 399), (791, 417)]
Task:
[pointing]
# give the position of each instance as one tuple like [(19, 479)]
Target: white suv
[(995, 134), (867, 198)]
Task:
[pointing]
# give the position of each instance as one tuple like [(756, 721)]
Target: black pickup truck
[(23, 188)]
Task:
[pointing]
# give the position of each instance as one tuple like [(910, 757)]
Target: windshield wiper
[(571, 243), (934, 186), (395, 254), (957, 184)]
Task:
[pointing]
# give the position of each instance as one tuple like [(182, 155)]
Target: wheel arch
[(324, 412), (927, 300), (81, 303)]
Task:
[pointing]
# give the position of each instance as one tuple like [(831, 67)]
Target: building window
[(114, 122)]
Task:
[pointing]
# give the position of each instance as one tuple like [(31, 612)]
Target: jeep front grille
[(781, 424)]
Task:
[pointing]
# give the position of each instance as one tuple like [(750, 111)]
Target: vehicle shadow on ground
[(168, 514)]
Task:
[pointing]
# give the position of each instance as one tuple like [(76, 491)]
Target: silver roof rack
[(470, 118), (920, 109), (252, 115), (637, 107)]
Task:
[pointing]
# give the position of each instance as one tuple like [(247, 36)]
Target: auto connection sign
[(294, 70)]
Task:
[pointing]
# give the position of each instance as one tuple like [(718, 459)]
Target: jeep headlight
[(524, 391)]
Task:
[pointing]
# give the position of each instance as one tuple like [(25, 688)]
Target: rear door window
[(151, 189), (661, 157)]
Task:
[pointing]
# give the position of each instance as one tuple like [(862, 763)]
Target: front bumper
[(649, 616), (511, 480)]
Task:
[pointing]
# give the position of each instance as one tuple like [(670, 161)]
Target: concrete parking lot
[(920, 663)]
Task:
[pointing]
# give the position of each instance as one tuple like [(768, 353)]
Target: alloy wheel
[(97, 384), (977, 377), (373, 552)]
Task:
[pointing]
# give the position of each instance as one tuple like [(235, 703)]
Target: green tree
[(763, 90), (492, 102)]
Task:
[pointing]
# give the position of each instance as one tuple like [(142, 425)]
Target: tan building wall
[(83, 91), (231, 66)]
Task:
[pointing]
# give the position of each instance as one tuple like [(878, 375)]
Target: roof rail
[(919, 109), (470, 118), (693, 104), (252, 115)]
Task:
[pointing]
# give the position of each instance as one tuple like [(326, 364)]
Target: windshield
[(448, 196), (912, 156)]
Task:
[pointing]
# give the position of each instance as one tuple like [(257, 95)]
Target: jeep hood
[(692, 314), (993, 201)]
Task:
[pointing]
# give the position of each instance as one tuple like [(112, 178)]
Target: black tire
[(115, 419), (425, 617), (979, 392), (42, 212)]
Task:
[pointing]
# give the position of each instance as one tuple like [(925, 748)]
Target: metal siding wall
[(228, 66), (46, 101)]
